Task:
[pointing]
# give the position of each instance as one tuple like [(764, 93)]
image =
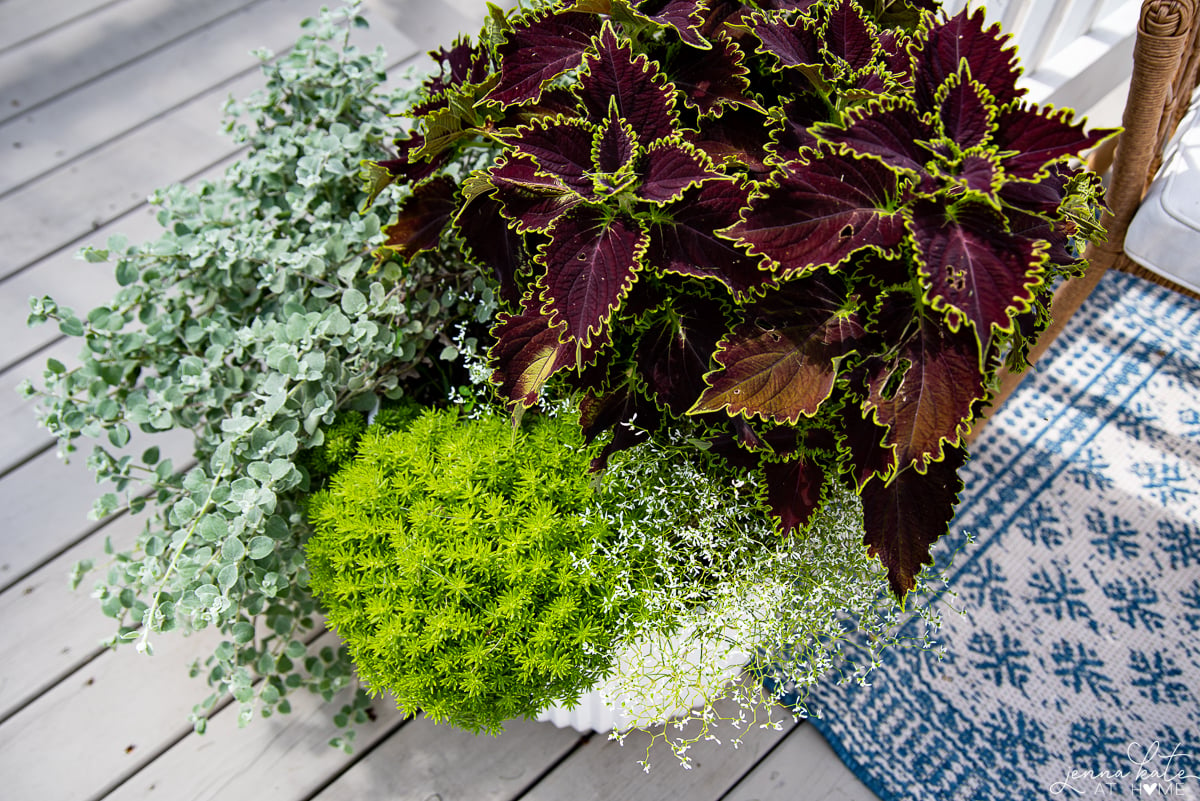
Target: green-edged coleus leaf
[(893, 54), (924, 391), (905, 517), (613, 150), (684, 238), (1056, 235), (673, 354), (463, 64), (966, 111), (535, 53), (682, 16), (863, 439), (794, 491), (590, 264), (1032, 139), (823, 211), (736, 140), (528, 197), (493, 244), (893, 133), (614, 78), (800, 117), (796, 44), (528, 352), (708, 80), (422, 218), (1042, 196), (561, 148), (781, 362), (671, 168), (945, 44), (849, 36), (975, 270)]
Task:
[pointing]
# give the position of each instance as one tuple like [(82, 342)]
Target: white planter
[(627, 699)]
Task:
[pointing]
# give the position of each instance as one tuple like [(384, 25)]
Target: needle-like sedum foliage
[(456, 560)]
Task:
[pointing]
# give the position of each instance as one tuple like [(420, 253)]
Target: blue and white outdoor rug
[(1076, 672)]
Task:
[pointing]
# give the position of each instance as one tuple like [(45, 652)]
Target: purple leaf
[(793, 491), (966, 112), (890, 133), (976, 270), (863, 439), (800, 116), (540, 51), (422, 217), (686, 242), (683, 16), (527, 197), (561, 148), (849, 36), (492, 242), (822, 212), (904, 518), (674, 352), (737, 138), (1042, 196), (614, 147), (794, 44), (590, 265), (924, 393), (710, 79), (942, 48), (980, 174), (671, 169), (1039, 137), (781, 363), (613, 76)]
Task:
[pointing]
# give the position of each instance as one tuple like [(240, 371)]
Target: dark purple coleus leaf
[(925, 391), (792, 44), (404, 166), (781, 363), (539, 51), (671, 168), (707, 80), (966, 112), (629, 414), (591, 262), (891, 133), (559, 148), (822, 212), (422, 218), (614, 147), (1034, 138), (944, 46), (463, 63), (736, 139), (682, 16), (849, 36), (613, 77), (528, 197), (1055, 235), (976, 270), (788, 5), (493, 243), (673, 354), (980, 174), (905, 517), (863, 439), (794, 490), (529, 352), (800, 115), (684, 240), (893, 52), (1042, 196)]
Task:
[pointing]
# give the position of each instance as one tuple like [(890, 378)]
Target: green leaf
[(261, 547), (227, 577), (353, 301)]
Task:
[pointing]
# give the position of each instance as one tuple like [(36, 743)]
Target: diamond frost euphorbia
[(807, 232)]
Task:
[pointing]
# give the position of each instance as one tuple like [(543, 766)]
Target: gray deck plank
[(422, 761), (24, 20), (803, 766), (75, 53), (51, 631), (84, 118), (285, 757), (103, 722), (66, 204)]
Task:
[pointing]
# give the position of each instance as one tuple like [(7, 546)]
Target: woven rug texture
[(1075, 671)]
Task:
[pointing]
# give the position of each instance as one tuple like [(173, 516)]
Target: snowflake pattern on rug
[(1075, 671)]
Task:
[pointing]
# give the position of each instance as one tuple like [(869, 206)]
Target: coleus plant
[(807, 232)]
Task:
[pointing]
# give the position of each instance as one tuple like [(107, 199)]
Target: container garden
[(745, 272)]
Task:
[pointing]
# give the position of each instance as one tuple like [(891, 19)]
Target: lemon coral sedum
[(456, 560)]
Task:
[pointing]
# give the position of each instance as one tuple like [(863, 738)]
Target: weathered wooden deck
[(101, 102)]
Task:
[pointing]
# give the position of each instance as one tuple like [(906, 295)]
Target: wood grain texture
[(802, 766)]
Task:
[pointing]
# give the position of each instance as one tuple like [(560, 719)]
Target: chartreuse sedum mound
[(457, 560)]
